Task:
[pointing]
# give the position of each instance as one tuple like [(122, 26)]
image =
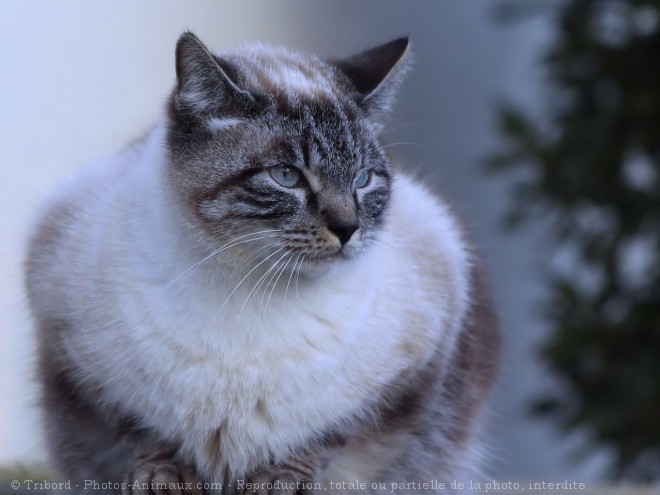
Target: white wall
[(79, 79)]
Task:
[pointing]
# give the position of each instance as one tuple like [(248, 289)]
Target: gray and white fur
[(254, 293)]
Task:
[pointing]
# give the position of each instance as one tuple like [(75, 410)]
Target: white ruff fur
[(273, 379)]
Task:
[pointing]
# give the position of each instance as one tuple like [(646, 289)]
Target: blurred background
[(538, 120)]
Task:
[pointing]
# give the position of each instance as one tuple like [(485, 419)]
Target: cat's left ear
[(377, 73), (205, 86)]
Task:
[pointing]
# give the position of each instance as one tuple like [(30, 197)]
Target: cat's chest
[(274, 364), (267, 383)]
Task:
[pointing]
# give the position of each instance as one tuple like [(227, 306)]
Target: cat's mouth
[(342, 253)]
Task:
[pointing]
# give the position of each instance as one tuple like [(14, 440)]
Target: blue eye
[(286, 176), (362, 179)]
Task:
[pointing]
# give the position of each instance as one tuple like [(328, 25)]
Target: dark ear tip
[(403, 42), (187, 38), (186, 47), (400, 45)]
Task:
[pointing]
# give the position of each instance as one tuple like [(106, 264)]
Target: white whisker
[(402, 143), (218, 251), (277, 280), (225, 246), (397, 127), (259, 282), (258, 253), (298, 277), (246, 276), (270, 279), (293, 270), (378, 240)]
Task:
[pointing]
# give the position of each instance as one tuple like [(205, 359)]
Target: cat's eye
[(286, 176), (362, 179)]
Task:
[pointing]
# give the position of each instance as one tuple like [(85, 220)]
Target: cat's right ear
[(205, 89), (376, 75)]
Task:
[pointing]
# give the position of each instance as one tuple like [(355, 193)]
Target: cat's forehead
[(283, 72)]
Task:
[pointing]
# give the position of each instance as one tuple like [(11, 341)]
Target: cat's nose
[(341, 219), (343, 229)]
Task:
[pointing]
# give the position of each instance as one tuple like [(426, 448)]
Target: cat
[(253, 299)]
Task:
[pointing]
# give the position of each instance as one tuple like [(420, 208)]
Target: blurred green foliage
[(589, 167), (23, 472)]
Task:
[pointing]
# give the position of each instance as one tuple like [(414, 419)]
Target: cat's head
[(277, 153)]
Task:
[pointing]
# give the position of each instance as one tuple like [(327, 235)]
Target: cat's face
[(276, 155)]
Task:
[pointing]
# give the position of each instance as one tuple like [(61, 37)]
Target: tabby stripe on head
[(253, 190), (261, 215), (252, 212), (315, 133), (306, 153), (233, 180), (258, 201), (346, 126)]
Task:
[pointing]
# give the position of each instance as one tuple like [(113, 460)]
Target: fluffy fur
[(200, 322)]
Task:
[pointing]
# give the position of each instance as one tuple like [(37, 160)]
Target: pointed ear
[(204, 87), (377, 73)]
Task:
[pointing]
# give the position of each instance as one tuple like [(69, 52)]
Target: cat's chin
[(322, 264)]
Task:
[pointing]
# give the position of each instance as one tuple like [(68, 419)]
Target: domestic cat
[(252, 299)]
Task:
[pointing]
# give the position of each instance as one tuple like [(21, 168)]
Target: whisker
[(227, 245), (392, 129), (218, 251), (293, 270), (272, 276), (259, 282), (244, 278), (378, 240), (403, 142), (276, 281), (298, 277), (258, 253)]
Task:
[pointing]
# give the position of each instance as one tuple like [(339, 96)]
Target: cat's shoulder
[(65, 222), (420, 215), (80, 194)]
